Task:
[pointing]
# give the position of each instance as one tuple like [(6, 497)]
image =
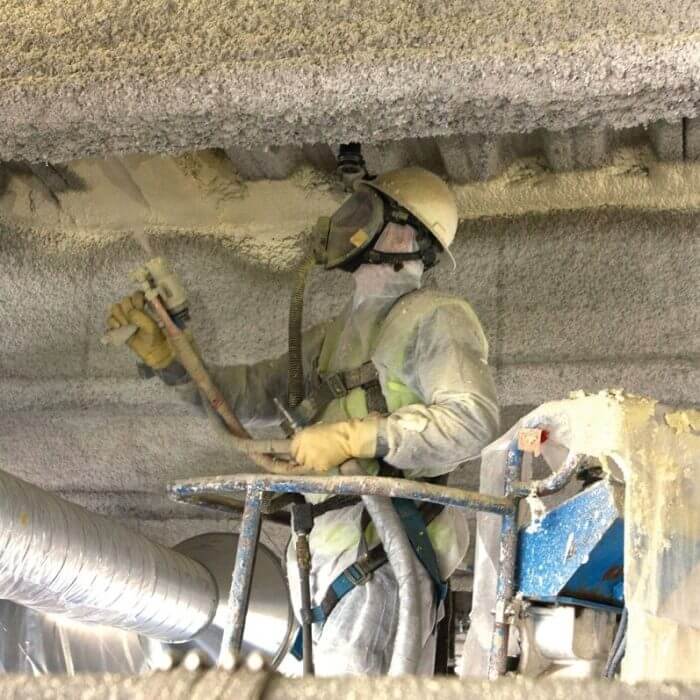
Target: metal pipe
[(198, 489), (56, 557), (553, 483), (304, 558), (302, 523), (242, 577), (505, 583)]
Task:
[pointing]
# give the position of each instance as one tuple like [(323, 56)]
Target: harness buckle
[(357, 573), (336, 384)]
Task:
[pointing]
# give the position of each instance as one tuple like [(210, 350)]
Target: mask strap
[(426, 253), (374, 257)]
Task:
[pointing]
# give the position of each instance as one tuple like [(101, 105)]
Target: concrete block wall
[(579, 300)]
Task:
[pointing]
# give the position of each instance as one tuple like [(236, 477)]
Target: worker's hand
[(326, 445), (149, 342)]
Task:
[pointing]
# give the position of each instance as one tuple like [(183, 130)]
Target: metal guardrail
[(256, 487)]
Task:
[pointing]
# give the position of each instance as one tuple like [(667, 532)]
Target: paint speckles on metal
[(194, 490)]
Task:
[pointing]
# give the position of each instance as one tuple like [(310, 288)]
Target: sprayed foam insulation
[(244, 685), (586, 299), (153, 76), (204, 193)]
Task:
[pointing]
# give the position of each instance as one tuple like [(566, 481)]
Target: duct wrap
[(56, 557)]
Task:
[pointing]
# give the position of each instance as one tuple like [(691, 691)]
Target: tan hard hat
[(426, 196)]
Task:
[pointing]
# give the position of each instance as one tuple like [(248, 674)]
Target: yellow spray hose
[(260, 451)]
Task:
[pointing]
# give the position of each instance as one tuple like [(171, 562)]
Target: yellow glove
[(326, 445), (149, 342)]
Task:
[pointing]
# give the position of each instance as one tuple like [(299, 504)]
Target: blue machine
[(575, 554)]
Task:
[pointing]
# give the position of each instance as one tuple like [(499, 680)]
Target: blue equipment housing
[(576, 553)]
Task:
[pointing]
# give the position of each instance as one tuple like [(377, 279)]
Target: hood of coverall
[(377, 287)]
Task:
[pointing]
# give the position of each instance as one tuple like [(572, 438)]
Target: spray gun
[(167, 300), (157, 280)]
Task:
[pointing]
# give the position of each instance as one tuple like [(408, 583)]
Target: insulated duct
[(57, 557)]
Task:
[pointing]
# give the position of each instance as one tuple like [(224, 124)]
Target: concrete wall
[(579, 300)]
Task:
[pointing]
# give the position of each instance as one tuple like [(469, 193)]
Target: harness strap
[(353, 378), (417, 532), (333, 503), (354, 575), (337, 385), (415, 520)]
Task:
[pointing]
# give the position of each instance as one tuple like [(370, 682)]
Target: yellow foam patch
[(359, 238)]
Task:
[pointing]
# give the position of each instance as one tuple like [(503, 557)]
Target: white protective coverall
[(454, 414)]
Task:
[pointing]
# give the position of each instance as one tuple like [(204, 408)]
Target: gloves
[(326, 445), (149, 342)]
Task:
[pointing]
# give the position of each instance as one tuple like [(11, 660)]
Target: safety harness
[(327, 387), (414, 518)]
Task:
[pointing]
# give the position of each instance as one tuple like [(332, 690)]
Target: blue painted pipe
[(505, 584)]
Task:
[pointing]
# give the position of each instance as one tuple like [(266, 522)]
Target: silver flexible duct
[(56, 557), (406, 655)]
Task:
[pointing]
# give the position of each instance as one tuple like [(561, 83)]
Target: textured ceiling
[(478, 157), (156, 76)]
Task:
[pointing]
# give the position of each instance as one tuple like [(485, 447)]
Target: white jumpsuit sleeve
[(446, 366), (250, 390)]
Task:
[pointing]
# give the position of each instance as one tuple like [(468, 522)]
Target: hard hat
[(426, 196)]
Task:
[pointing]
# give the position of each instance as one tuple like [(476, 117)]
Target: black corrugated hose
[(295, 374)]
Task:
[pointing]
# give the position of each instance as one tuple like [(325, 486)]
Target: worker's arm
[(446, 367), (249, 389)]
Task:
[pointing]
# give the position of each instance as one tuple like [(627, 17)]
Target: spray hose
[(260, 451), (295, 372)]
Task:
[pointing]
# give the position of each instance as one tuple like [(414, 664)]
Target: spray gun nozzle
[(157, 278)]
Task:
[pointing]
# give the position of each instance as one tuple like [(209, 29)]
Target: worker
[(398, 384)]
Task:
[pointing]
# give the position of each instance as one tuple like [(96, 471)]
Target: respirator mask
[(345, 240)]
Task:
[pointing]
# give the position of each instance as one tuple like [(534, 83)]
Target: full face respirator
[(345, 240)]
